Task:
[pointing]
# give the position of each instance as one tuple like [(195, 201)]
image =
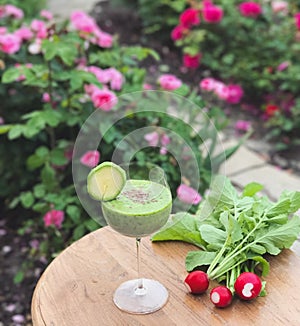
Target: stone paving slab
[(63, 8)]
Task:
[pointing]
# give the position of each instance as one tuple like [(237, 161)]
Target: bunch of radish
[(247, 286)]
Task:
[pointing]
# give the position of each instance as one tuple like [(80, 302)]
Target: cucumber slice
[(106, 181)]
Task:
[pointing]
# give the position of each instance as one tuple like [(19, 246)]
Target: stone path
[(244, 166)]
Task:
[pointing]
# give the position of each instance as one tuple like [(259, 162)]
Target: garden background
[(237, 63)]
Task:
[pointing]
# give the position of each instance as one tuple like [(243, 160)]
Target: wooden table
[(77, 287)]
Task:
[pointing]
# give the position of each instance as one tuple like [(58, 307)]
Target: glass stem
[(138, 255)]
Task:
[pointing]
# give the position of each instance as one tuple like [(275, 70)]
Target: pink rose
[(10, 43), (1, 121), (191, 61), (207, 84), (178, 32), (148, 87), (242, 125), (90, 158), (116, 79), (188, 195), (163, 150), (24, 33), (104, 99), (35, 47), (40, 28), (104, 40), (169, 82), (235, 93), (152, 138), (3, 30), (100, 74), (46, 97), (250, 9), (46, 14), (165, 140), (221, 90), (280, 6), (189, 18), (83, 22), (212, 14), (54, 217), (283, 65), (13, 11), (297, 20)]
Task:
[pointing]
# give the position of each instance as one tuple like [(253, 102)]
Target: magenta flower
[(297, 20), (165, 140), (116, 79), (242, 125), (208, 84), (46, 98), (3, 30), (191, 61), (188, 195), (104, 40), (152, 138), (169, 82), (40, 28), (235, 93), (178, 32), (250, 9), (12, 11), (46, 14), (10, 43), (90, 158), (189, 18), (54, 217), (104, 99), (212, 14), (221, 90), (147, 87)]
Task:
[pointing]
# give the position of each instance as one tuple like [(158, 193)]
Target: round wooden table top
[(77, 287)]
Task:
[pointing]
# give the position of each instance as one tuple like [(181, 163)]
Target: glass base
[(128, 297)]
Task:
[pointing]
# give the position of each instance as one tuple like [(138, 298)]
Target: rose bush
[(54, 76), (255, 45)]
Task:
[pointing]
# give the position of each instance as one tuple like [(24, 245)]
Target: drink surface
[(140, 209)]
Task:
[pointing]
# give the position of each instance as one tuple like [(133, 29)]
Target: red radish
[(221, 296), (248, 286), (197, 282)]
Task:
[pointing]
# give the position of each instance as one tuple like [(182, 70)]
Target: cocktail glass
[(143, 207)]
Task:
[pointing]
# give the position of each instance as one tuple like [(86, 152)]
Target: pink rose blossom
[(46, 14), (297, 20), (235, 93), (10, 43), (148, 87), (54, 217), (90, 89), (152, 138), (212, 14), (40, 28), (242, 125), (221, 90), (104, 40), (189, 18), (46, 97), (24, 33), (83, 22), (104, 99), (116, 79), (163, 151), (165, 140), (250, 9), (13, 11), (90, 158), (191, 61), (283, 65), (207, 84), (280, 6), (169, 82), (1, 121), (188, 195), (178, 32)]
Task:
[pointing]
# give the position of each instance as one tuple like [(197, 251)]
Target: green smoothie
[(140, 209)]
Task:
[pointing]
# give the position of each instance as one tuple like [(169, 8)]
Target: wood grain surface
[(77, 287)]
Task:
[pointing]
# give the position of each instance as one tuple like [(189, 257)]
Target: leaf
[(11, 75), (19, 277), (276, 238), (251, 189), (27, 199), (79, 232), (212, 235), (265, 266), (15, 132), (232, 227), (181, 227), (294, 197), (198, 258), (74, 213), (281, 207), (5, 129)]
